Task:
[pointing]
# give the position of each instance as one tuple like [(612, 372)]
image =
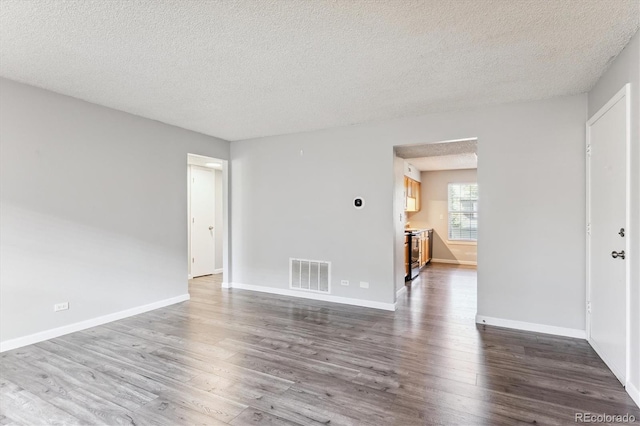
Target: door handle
[(211, 228), (616, 254)]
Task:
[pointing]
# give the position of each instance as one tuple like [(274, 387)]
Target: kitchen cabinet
[(425, 247), (425, 242), (411, 195)]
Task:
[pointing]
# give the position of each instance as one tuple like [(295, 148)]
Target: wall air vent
[(310, 275)]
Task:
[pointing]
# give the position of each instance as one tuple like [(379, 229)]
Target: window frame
[(460, 241)]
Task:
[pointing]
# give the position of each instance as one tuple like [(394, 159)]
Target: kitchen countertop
[(416, 230)]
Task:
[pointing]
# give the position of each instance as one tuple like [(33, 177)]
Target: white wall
[(94, 209), (626, 69), (399, 218), (411, 171), (434, 213), (531, 174)]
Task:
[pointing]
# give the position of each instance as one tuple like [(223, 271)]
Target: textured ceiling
[(441, 156), (435, 149), (244, 68), (446, 162)]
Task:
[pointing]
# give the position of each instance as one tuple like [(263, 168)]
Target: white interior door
[(608, 234), (202, 222)]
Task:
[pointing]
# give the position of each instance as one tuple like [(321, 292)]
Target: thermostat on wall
[(358, 202)]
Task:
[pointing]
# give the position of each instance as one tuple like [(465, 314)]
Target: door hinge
[(193, 259), (588, 228), (589, 150), (589, 307)]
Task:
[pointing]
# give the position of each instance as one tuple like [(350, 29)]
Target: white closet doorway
[(205, 216)]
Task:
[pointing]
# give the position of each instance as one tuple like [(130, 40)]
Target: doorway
[(207, 219), (435, 210), (205, 237), (608, 204)]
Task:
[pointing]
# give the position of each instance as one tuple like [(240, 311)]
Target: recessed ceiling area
[(437, 149), (445, 162), (243, 69), (452, 155)]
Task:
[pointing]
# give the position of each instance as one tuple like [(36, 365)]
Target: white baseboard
[(189, 277), (217, 271), (610, 365), (83, 325), (530, 326), (225, 285), (633, 393), (316, 296), (401, 290), (455, 261)]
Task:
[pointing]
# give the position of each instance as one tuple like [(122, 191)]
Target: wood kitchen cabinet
[(426, 242), (411, 195), (426, 255)]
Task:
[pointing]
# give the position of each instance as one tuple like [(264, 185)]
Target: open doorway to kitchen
[(207, 251), (436, 200)]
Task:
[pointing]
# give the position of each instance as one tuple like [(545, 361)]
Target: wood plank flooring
[(244, 358)]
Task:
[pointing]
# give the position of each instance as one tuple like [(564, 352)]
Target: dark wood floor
[(238, 357)]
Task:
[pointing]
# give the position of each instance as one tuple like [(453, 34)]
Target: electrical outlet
[(344, 282), (61, 306), (364, 284)]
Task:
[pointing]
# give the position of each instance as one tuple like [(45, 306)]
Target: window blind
[(463, 211)]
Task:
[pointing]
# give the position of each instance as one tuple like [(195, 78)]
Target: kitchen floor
[(443, 289), (239, 357)]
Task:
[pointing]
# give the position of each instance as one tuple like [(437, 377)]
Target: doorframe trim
[(213, 172), (624, 92), (226, 213)]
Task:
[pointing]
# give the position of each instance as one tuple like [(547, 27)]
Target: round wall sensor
[(358, 202)]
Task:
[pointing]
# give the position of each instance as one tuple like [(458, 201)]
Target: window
[(463, 211)]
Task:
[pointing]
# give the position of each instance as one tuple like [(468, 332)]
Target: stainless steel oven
[(413, 268), (415, 251)]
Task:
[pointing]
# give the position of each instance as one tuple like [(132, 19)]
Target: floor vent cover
[(310, 275)]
